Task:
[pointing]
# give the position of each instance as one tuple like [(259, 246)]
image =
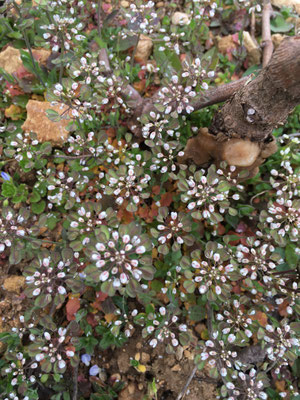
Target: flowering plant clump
[(207, 196), (212, 276), (173, 228), (51, 351), (121, 259), (127, 184), (17, 378), (110, 243), (48, 278)]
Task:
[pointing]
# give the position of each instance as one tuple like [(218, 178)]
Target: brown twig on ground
[(266, 33), (252, 30), (190, 378), (99, 18)]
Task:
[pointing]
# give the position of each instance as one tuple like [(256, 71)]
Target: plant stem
[(28, 46), (134, 52), (62, 51), (99, 18)]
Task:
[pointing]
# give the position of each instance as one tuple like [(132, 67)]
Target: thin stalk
[(62, 51), (28, 46), (99, 18), (134, 52)]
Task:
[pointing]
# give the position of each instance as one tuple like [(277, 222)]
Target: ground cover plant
[(130, 269)]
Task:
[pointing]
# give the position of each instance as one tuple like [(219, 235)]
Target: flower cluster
[(62, 30), (121, 259), (51, 351), (127, 183), (13, 226), (207, 194), (283, 218), (141, 18), (162, 325), (46, 279), (177, 97), (172, 229), (260, 259), (16, 371), (213, 275), (235, 321)]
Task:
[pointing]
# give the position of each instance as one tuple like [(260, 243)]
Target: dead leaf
[(72, 306)]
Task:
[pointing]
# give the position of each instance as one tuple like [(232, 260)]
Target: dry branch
[(266, 33)]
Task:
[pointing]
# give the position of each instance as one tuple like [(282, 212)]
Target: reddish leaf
[(101, 296), (141, 74), (90, 318), (166, 199), (156, 189), (282, 308), (72, 307), (260, 317)]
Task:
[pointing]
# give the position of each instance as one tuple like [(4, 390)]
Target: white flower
[(36, 292), (153, 343), (39, 357), (140, 250), (162, 310), (61, 364), (218, 290)]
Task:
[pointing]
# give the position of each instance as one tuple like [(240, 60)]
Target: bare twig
[(128, 92), (190, 378), (99, 18), (266, 33), (28, 46), (75, 381), (104, 60), (62, 51), (134, 51)]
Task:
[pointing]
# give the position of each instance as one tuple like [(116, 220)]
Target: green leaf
[(8, 189), (26, 23), (44, 378), (197, 313), (279, 24), (38, 208), (189, 286), (35, 197), (53, 115), (291, 255)]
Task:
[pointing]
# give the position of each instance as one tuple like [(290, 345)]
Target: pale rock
[(14, 283), (143, 49), (45, 129), (180, 18), (145, 358), (10, 58), (287, 3), (277, 38), (226, 44), (124, 4), (160, 4), (253, 50)]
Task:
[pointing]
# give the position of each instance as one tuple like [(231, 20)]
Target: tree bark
[(245, 123), (264, 103)]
